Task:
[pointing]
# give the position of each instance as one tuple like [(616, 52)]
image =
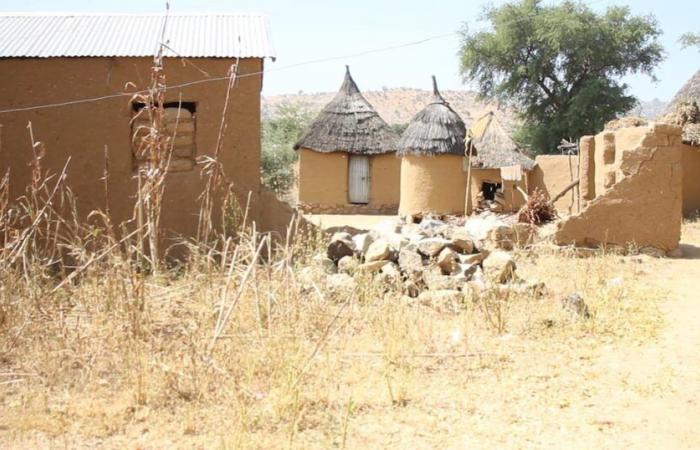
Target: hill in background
[(399, 105), (396, 106)]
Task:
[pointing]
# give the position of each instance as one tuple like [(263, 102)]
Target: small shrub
[(537, 210)]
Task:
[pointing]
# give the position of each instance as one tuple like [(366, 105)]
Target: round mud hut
[(347, 158), (433, 162)]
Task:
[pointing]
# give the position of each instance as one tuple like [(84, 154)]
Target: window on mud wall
[(179, 124), (489, 189)]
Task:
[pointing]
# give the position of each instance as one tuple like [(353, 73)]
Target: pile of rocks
[(433, 260)]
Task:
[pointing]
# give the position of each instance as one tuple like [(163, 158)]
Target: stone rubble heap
[(434, 261)]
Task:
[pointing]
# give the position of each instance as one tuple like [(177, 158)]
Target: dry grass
[(297, 365)]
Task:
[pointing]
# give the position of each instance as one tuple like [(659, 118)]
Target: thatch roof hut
[(494, 146), (684, 110), (349, 124), (433, 162), (347, 160), (436, 130)]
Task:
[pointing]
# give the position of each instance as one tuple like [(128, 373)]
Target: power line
[(215, 79)]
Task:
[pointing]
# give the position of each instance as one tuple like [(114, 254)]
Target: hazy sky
[(304, 30)]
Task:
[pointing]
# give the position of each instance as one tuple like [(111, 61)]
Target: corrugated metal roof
[(215, 35)]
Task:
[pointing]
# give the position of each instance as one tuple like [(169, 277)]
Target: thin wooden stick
[(565, 190)]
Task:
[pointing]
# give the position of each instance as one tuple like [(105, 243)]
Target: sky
[(306, 30)]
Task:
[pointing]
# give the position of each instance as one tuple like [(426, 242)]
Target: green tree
[(560, 66), (279, 134), (690, 40)]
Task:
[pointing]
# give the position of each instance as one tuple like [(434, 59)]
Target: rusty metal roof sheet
[(211, 35)]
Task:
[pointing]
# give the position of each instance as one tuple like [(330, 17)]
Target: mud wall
[(513, 199), (552, 174), (691, 181), (432, 184), (643, 203), (83, 131), (323, 184)]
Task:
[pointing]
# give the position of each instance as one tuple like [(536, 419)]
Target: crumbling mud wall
[(323, 184), (638, 185), (552, 174)]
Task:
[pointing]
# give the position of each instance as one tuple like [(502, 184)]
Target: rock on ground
[(447, 261), (432, 246), (411, 263), (341, 245), (379, 250), (362, 242), (575, 304), (499, 266), (347, 264), (325, 264)]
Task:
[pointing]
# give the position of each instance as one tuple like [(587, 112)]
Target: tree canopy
[(690, 40), (560, 66)]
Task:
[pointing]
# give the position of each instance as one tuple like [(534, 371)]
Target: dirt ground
[(668, 416), (391, 376), (337, 221)]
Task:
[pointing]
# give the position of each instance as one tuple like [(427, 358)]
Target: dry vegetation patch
[(300, 365)]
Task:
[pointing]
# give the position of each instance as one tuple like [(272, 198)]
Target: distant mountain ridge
[(650, 109), (395, 106), (399, 105)]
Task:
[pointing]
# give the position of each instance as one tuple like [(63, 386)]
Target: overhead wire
[(244, 75)]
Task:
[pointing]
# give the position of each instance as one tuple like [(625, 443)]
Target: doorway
[(358, 179), (489, 189)]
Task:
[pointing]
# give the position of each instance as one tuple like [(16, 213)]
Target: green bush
[(279, 134)]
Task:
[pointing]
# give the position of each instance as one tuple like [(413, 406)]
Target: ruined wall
[(552, 174), (691, 180), (82, 131), (586, 169), (643, 206), (323, 184), (432, 184)]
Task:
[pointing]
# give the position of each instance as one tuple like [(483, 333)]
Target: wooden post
[(468, 200)]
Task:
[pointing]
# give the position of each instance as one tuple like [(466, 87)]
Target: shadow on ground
[(690, 251)]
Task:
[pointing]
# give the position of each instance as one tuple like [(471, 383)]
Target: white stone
[(379, 250), (499, 267), (432, 246)]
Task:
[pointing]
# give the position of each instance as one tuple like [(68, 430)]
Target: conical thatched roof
[(349, 124), (688, 93), (684, 111), (494, 147), (435, 130)]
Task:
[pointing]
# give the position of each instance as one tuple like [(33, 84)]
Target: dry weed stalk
[(154, 150), (213, 170)]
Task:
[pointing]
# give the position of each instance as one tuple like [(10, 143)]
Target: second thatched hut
[(500, 171), (347, 160), (433, 162), (684, 111)]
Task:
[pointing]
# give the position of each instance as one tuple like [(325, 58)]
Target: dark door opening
[(490, 189)]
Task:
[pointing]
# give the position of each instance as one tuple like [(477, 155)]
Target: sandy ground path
[(663, 378)]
